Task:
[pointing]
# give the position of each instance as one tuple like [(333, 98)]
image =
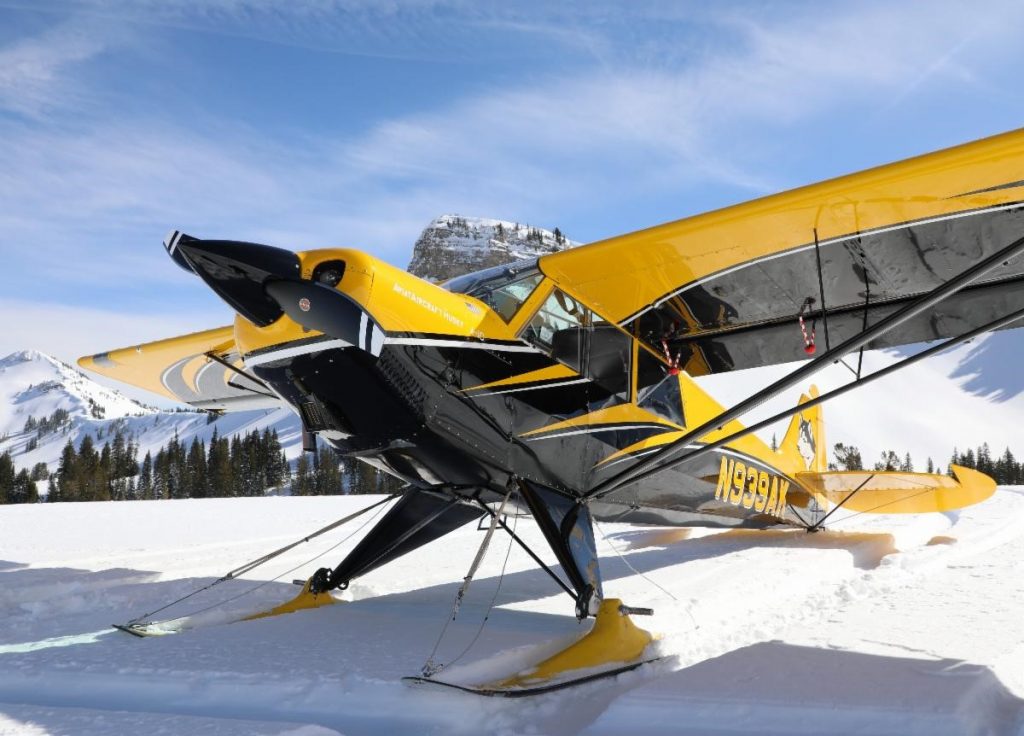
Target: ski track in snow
[(880, 625)]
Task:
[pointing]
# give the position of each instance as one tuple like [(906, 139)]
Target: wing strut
[(816, 526), (216, 358), (667, 457)]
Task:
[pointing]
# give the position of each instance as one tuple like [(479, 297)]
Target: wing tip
[(979, 484)]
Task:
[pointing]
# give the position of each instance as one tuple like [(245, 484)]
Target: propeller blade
[(238, 271), (327, 310)]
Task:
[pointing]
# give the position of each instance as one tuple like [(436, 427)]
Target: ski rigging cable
[(431, 668), (490, 607), (252, 565)]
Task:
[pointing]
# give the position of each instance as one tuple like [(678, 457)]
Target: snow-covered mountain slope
[(35, 385), (452, 245)]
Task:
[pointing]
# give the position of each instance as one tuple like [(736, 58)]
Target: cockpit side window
[(574, 336), (557, 328)]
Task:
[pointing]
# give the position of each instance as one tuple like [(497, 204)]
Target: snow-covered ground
[(879, 625)]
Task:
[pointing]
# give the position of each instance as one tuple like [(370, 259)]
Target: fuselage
[(512, 378)]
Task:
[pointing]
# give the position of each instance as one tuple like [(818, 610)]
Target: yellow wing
[(202, 369), (884, 492), (728, 285)]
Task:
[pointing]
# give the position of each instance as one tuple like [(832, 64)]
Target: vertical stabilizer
[(803, 448)]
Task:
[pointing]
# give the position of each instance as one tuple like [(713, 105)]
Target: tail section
[(803, 448)]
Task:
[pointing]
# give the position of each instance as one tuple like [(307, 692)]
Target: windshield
[(502, 288)]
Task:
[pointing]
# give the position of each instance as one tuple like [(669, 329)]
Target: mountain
[(452, 245), (44, 402)]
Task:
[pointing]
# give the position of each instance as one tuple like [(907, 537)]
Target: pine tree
[(302, 483), (848, 457), (196, 470), (103, 486), (239, 468), (67, 475), (87, 470), (328, 476), (889, 461), (24, 488), (144, 488), (7, 477), (276, 472), (984, 461), (219, 466), (1008, 468), (161, 475)]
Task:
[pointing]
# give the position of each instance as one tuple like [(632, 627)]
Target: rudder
[(803, 447)]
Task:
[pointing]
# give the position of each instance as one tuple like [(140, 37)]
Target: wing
[(884, 492), (726, 288), (201, 369)]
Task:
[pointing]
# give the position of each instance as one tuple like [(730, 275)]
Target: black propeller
[(238, 273)]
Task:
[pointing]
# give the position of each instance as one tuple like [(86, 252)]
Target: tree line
[(246, 465), (1005, 469)]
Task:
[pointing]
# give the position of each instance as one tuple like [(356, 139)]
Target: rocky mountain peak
[(452, 245)]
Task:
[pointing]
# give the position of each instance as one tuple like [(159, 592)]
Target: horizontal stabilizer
[(895, 492)]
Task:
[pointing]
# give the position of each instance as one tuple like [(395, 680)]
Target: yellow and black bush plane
[(567, 386)]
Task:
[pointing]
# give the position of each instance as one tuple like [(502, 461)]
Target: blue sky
[(354, 123)]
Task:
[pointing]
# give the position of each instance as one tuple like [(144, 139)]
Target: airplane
[(568, 386)]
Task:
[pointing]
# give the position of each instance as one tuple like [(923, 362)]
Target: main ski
[(523, 692)]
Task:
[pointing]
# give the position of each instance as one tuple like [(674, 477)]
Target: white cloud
[(34, 71)]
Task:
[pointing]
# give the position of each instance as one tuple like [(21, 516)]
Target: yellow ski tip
[(896, 492), (302, 601), (614, 639)]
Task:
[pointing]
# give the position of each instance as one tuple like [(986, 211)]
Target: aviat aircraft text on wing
[(566, 386)]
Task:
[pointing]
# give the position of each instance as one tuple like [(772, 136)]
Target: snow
[(904, 625)]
